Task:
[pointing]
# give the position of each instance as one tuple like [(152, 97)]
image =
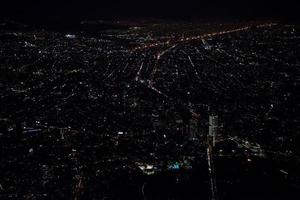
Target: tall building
[(193, 128), (213, 128)]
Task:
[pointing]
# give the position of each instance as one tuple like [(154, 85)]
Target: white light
[(70, 36)]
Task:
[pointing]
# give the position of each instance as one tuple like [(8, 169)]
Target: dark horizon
[(75, 10)]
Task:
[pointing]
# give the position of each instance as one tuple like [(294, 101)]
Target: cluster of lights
[(205, 36)]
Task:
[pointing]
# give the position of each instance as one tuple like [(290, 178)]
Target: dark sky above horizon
[(96, 9)]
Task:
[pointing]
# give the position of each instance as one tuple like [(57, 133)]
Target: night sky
[(93, 9)]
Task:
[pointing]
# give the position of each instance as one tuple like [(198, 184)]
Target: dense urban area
[(125, 112)]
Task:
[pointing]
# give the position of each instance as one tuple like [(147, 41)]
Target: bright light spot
[(70, 36)]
